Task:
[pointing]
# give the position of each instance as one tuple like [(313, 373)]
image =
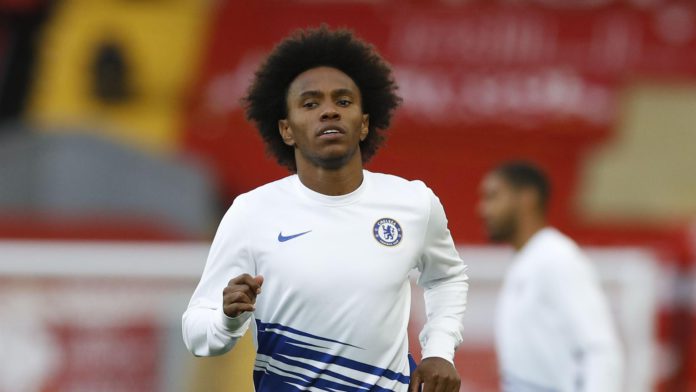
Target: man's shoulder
[(552, 247), (262, 195), (394, 182), (412, 194), (272, 188), (555, 240)]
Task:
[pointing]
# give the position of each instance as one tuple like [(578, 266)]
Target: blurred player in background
[(319, 261), (553, 330)]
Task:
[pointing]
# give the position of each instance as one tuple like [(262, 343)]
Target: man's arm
[(580, 298), (207, 329), (444, 281)]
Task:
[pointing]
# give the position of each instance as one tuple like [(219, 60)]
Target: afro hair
[(266, 99)]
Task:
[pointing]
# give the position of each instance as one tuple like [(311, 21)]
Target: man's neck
[(526, 231), (332, 182)]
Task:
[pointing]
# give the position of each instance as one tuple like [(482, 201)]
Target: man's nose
[(330, 113)]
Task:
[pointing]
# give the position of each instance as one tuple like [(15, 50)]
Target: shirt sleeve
[(576, 290), (207, 331), (443, 278)]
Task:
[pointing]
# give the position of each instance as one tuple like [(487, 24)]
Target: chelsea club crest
[(387, 232)]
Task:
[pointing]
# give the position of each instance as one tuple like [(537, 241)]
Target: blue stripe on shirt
[(291, 351)]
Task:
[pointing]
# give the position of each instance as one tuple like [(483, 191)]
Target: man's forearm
[(445, 304), (208, 332)]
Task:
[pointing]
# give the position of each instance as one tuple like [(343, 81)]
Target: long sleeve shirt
[(554, 331), (335, 301)]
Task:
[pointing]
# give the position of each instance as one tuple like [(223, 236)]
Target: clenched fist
[(434, 375), (240, 294)]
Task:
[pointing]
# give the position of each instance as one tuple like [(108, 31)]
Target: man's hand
[(240, 294), (436, 375)]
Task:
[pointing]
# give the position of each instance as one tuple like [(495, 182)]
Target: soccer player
[(553, 328), (318, 262)]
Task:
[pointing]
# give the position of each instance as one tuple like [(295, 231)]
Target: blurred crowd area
[(120, 120)]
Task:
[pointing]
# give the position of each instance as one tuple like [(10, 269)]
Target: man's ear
[(365, 126), (286, 132), (529, 198)]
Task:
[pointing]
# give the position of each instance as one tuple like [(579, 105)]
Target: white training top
[(554, 331), (334, 306)]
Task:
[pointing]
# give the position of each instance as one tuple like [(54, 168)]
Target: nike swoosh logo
[(283, 238)]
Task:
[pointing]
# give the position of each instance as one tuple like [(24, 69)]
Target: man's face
[(325, 121), (498, 208)]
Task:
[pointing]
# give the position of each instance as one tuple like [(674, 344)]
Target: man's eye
[(344, 102), (309, 105)]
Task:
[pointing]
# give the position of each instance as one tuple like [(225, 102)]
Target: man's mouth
[(330, 130)]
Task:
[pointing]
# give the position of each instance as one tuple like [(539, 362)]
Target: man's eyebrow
[(311, 93), (335, 93), (342, 91)]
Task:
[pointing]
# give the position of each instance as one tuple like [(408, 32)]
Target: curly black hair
[(266, 99), (524, 174)]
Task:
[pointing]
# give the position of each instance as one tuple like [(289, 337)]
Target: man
[(319, 261), (553, 328)]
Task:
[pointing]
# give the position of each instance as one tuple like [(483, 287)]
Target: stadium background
[(122, 141)]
